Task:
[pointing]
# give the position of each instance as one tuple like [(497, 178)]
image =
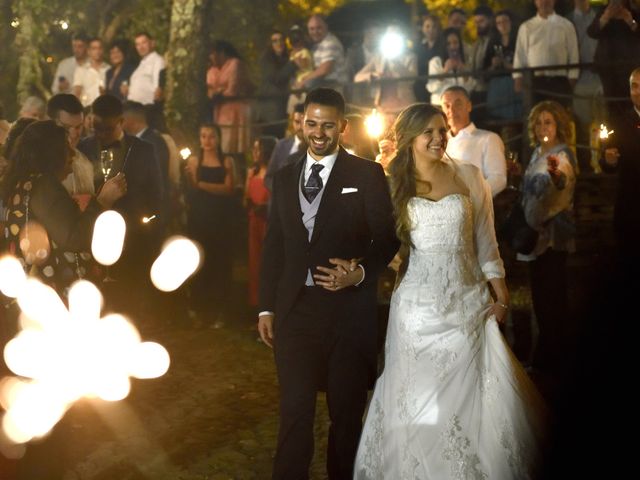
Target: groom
[(318, 308)]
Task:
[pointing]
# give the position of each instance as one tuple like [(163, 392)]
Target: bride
[(453, 401)]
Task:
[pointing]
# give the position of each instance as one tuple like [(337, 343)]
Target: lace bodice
[(443, 241)]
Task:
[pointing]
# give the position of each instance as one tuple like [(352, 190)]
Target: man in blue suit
[(287, 149)]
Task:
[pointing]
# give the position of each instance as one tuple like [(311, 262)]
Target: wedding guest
[(276, 72), (355, 139), (547, 39), (390, 98), (256, 199), (548, 187), (618, 49), (451, 59), (211, 184), (66, 69), (42, 159), (118, 76), (227, 78), (429, 46), (502, 101), (89, 80)]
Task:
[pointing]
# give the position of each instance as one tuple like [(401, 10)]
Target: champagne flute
[(514, 169), (106, 163)]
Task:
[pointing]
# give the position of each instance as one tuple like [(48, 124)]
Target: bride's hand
[(345, 274), (499, 310)]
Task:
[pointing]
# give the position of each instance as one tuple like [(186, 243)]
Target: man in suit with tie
[(318, 308), (288, 149), (136, 159)]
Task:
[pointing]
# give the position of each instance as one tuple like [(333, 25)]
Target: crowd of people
[(322, 225)]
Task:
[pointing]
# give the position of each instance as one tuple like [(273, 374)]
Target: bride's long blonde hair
[(410, 123)]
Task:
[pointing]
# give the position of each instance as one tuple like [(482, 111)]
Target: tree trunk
[(186, 67), (27, 41)]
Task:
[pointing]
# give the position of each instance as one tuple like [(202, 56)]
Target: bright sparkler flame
[(12, 276), (63, 355), (374, 124), (179, 259), (185, 153), (108, 237), (604, 132), (545, 139)]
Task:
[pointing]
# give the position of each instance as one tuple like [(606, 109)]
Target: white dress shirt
[(146, 79), (296, 145), (327, 162), (547, 41), (485, 150), (90, 80), (67, 70)]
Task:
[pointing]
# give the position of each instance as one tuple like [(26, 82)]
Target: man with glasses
[(66, 110)]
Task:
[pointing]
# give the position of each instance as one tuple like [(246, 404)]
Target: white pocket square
[(349, 190)]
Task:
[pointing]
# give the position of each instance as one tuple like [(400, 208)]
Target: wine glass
[(106, 163), (514, 169)]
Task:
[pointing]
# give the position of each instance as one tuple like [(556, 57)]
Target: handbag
[(516, 232)]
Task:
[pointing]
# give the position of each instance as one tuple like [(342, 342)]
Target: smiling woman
[(47, 229), (451, 387)]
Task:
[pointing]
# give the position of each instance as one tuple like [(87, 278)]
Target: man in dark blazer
[(331, 231), (136, 159), (135, 123), (287, 149), (624, 158)]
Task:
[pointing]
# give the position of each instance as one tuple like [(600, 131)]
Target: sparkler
[(63, 355), (185, 153), (148, 219), (604, 132)]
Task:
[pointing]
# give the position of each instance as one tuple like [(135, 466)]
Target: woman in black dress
[(211, 181)]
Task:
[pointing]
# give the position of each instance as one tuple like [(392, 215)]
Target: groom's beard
[(326, 147)]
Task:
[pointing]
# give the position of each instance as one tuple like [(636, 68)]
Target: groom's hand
[(265, 328), (345, 273)]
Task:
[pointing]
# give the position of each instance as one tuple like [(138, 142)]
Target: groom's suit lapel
[(331, 194), (292, 186)]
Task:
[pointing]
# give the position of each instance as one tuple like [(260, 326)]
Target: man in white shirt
[(469, 144), (544, 40), (89, 79), (63, 78), (144, 85), (588, 103)]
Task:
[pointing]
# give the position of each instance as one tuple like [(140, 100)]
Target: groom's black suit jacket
[(358, 224)]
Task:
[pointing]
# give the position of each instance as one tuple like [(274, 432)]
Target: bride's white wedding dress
[(453, 401)]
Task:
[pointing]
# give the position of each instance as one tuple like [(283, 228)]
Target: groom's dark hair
[(325, 96)]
